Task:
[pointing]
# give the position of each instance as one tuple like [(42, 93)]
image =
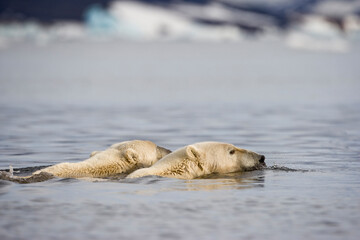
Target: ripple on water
[(309, 189)]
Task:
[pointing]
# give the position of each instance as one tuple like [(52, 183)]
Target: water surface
[(298, 125)]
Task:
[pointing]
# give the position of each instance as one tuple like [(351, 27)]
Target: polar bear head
[(224, 157), (144, 153)]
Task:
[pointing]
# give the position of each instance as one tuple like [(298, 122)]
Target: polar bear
[(201, 159), (119, 158)]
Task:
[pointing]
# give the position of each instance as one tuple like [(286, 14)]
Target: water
[(298, 125)]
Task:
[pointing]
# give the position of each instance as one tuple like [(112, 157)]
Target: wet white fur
[(200, 159), (119, 158)]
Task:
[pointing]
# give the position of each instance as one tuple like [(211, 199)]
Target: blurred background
[(102, 52), (186, 51), (326, 22)]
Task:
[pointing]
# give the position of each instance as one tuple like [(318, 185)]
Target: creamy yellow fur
[(200, 159), (119, 158)]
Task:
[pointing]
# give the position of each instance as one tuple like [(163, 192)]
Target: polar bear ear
[(131, 156), (94, 153), (192, 152)]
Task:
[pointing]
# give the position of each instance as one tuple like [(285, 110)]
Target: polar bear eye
[(232, 152)]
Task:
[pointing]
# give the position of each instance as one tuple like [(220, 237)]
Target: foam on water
[(286, 169)]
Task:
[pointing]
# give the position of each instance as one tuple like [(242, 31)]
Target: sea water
[(300, 109)]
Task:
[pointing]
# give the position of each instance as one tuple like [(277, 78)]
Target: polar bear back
[(103, 164), (119, 158)]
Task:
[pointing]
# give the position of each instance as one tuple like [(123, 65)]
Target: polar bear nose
[(262, 159)]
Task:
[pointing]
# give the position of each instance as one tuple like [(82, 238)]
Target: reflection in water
[(230, 181), (227, 181)]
